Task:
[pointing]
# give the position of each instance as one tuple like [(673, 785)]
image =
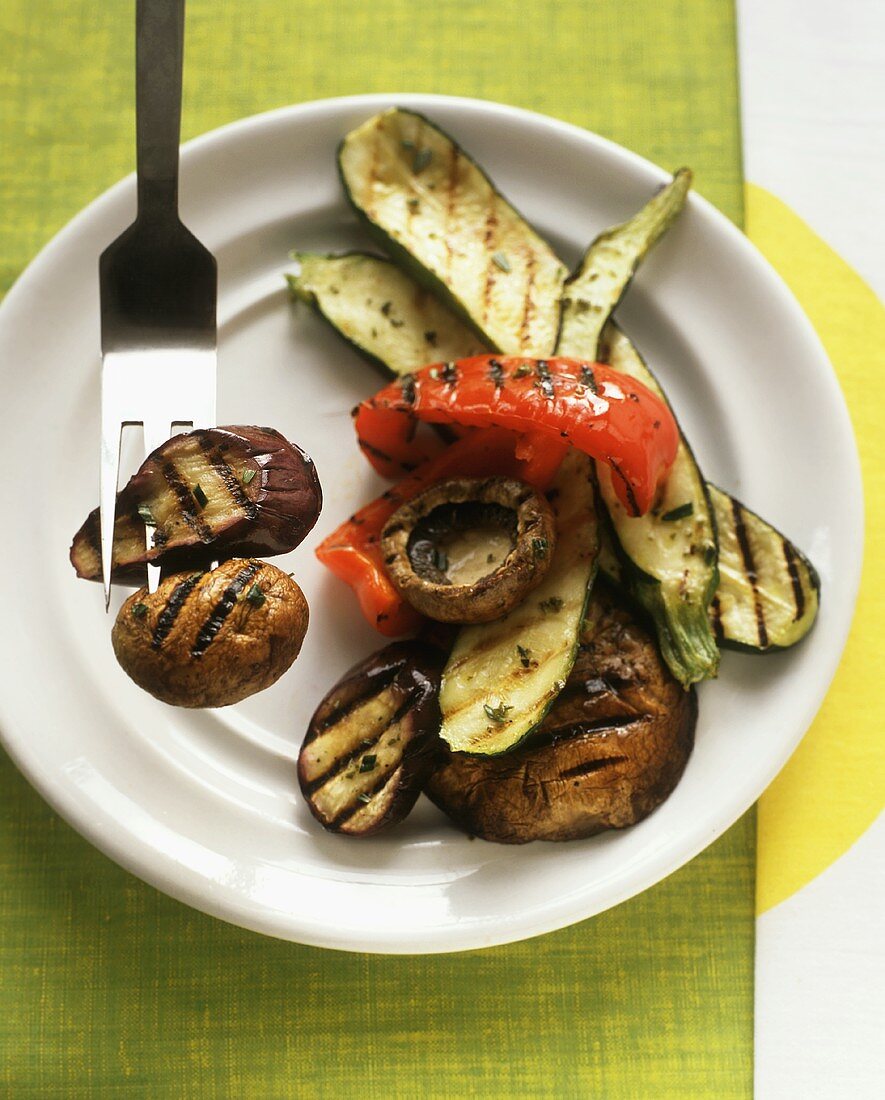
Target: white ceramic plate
[(204, 805)]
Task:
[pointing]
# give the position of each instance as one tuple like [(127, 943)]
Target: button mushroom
[(208, 639), (467, 550)]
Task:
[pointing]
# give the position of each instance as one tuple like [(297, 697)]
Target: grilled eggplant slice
[(440, 217), (592, 293), (501, 678), (207, 494), (467, 550), (381, 312), (373, 741), (610, 750), (209, 639), (769, 592)]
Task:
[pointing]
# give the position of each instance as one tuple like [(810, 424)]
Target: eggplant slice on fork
[(207, 494)]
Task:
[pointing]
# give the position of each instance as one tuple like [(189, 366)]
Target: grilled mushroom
[(610, 750), (208, 639), (373, 740), (467, 550), (221, 492)]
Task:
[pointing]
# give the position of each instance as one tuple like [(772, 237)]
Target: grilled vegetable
[(591, 295), (502, 677), (373, 741), (467, 550), (550, 402), (212, 639), (610, 750), (353, 551), (380, 311), (768, 590), (441, 218), (204, 495), (668, 555)]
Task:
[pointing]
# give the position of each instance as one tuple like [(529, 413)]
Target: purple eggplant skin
[(374, 740), (264, 496)]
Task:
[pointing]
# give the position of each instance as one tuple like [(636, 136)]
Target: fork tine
[(156, 431), (111, 427)]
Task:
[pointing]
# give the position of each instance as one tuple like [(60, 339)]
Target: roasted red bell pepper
[(353, 552), (602, 412)]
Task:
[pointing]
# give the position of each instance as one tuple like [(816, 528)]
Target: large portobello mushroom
[(610, 750), (211, 639), (205, 495)]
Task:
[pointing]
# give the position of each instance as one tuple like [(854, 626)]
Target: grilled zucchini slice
[(669, 554), (441, 218), (769, 592), (381, 312), (502, 677)]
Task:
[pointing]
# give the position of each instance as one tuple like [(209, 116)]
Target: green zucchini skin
[(381, 312), (769, 592), (591, 295), (440, 217), (668, 561), (515, 667)]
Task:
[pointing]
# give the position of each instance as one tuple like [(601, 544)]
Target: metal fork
[(158, 284)]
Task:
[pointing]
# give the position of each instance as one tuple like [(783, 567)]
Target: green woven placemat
[(108, 988)]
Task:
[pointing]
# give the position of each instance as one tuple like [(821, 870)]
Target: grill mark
[(716, 616), (496, 373), (223, 608), (227, 476), (749, 565), (585, 729), (628, 488), (407, 388), (795, 580), (488, 244), (589, 379), (369, 449), (545, 382), (528, 303), (365, 746), (171, 611), (351, 811), (590, 766), (186, 502), (375, 687), (449, 374)]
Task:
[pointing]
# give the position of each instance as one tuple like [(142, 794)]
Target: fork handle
[(159, 55)]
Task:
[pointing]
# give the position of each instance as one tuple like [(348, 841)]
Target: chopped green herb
[(525, 656), (397, 324), (147, 515), (540, 547), (385, 309), (255, 596), (500, 260), (709, 554), (522, 371), (422, 158), (430, 337), (413, 204), (367, 764), (364, 797), (248, 475), (139, 610), (552, 603), (199, 496), (406, 144), (498, 713), (678, 513), (490, 559)]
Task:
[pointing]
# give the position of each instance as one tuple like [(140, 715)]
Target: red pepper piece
[(602, 412), (353, 551)]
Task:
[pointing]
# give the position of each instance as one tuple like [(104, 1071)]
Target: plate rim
[(150, 868)]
